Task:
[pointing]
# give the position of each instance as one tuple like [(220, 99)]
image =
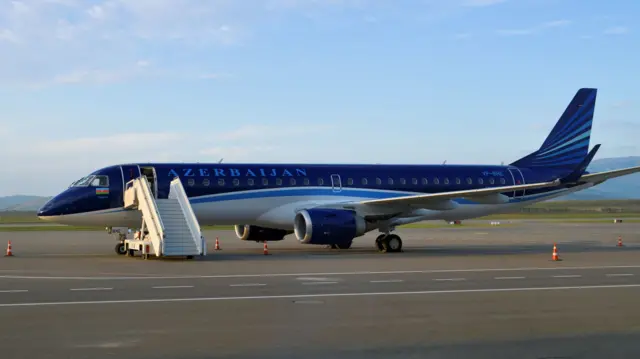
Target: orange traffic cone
[(555, 256), (9, 252), (217, 244), (265, 250), (620, 241)]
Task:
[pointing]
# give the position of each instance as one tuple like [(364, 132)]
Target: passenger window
[(480, 181), (221, 182), (414, 181), (502, 180), (390, 181), (378, 181), (306, 181), (492, 181), (265, 181), (426, 181), (469, 180), (446, 180), (350, 182), (458, 180), (236, 182), (278, 182), (250, 181), (320, 181), (436, 181), (205, 182), (402, 181), (364, 181), (191, 182), (292, 182)]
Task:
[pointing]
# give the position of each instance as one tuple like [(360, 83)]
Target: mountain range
[(627, 187)]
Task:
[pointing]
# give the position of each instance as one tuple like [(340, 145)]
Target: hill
[(627, 187), (22, 203)]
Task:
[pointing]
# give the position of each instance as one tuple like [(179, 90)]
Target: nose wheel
[(389, 243)]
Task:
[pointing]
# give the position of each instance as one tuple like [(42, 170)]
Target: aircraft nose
[(48, 210)]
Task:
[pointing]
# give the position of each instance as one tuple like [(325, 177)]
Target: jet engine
[(328, 226), (259, 234)]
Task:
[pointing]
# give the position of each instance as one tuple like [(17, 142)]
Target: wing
[(444, 196), (603, 176)]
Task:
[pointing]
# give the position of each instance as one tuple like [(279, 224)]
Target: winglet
[(582, 167)]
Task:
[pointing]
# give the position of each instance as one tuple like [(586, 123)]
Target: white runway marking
[(427, 271), (14, 291), (619, 275), (247, 285), (84, 289), (449, 279), (328, 295), (317, 283), (567, 276), (387, 281), (172, 286), (320, 279), (499, 278)]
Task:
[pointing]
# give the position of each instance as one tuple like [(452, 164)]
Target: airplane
[(332, 204)]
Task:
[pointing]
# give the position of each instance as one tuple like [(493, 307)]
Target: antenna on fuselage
[(221, 160), (445, 162)]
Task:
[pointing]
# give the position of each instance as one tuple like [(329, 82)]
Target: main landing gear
[(389, 243)]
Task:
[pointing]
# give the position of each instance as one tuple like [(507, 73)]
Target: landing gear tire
[(341, 246), (390, 243), (121, 249)]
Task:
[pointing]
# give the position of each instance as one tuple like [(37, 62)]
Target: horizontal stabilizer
[(603, 176), (582, 167)]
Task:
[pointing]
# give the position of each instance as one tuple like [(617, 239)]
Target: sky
[(90, 83)]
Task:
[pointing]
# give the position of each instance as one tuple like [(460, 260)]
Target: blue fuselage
[(103, 189)]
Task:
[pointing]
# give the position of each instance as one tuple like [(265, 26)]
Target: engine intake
[(259, 234), (328, 226)]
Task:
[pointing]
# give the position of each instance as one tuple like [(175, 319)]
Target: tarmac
[(455, 292)]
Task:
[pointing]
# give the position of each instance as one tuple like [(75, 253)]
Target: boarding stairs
[(173, 229)]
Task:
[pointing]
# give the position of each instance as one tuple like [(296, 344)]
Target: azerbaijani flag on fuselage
[(102, 191)]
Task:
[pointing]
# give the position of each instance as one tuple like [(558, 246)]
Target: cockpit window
[(82, 182), (100, 181), (92, 180)]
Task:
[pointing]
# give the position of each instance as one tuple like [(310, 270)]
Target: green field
[(567, 211)]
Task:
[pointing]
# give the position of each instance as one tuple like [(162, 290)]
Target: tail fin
[(568, 143)]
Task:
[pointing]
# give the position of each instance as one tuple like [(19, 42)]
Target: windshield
[(91, 180)]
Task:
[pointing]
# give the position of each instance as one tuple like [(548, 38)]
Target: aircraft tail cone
[(9, 251), (554, 255)]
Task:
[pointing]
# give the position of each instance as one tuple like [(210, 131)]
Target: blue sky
[(85, 84)]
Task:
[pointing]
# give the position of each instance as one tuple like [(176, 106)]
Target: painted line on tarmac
[(172, 287), (426, 271), (326, 295), (89, 289), (14, 291)]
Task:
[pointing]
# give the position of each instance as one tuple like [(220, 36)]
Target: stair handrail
[(151, 206), (177, 191)]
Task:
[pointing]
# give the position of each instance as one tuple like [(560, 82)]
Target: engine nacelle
[(259, 234), (328, 226)]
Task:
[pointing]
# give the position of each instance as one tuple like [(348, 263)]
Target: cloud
[(65, 159), (616, 30), (534, 29)]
